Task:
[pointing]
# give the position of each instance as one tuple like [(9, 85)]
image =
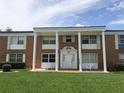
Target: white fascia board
[(68, 29), (16, 34), (114, 33)]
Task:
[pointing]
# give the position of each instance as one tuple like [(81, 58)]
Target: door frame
[(67, 50)]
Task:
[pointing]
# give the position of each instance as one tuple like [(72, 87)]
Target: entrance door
[(68, 58)]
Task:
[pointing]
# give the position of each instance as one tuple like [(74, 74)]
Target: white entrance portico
[(69, 57)]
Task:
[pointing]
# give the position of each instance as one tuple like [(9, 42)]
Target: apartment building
[(91, 48)]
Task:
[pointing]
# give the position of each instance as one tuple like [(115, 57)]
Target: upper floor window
[(68, 39), (49, 40), (17, 40), (121, 41), (89, 39)]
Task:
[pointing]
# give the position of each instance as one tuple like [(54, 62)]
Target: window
[(48, 58), (89, 39), (68, 39), (12, 57), (89, 57), (19, 57), (45, 58), (17, 40), (52, 58), (121, 41), (16, 57), (121, 57), (49, 40)]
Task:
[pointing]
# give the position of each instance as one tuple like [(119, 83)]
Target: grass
[(41, 82)]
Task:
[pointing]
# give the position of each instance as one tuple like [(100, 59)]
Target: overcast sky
[(26, 14)]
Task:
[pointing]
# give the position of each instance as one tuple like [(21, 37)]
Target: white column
[(104, 52), (79, 51), (34, 51), (57, 54)]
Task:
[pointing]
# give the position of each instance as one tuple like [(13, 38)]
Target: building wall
[(111, 52), (61, 46), (29, 51), (38, 52), (3, 48)]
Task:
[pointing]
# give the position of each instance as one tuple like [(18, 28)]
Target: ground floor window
[(121, 57), (15, 57), (89, 61), (89, 57), (48, 58)]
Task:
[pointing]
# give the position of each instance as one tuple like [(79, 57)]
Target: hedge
[(6, 67), (119, 67), (15, 65)]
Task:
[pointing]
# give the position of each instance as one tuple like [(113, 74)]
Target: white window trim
[(98, 42), (9, 40), (89, 39), (7, 57), (89, 56), (116, 41), (66, 37), (48, 57), (48, 38), (72, 38), (119, 40), (90, 64), (119, 56), (23, 59)]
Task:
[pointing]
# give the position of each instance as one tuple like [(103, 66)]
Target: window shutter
[(9, 42), (98, 41), (116, 41), (64, 39), (23, 58), (7, 58), (73, 38)]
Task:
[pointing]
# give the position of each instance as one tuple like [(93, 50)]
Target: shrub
[(6, 67), (15, 65), (119, 67)]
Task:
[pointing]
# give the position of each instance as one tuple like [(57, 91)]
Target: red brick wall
[(3, 48), (38, 52), (112, 53), (29, 51), (62, 45)]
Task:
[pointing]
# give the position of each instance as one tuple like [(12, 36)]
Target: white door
[(68, 59)]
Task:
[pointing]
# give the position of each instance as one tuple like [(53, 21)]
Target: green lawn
[(41, 82)]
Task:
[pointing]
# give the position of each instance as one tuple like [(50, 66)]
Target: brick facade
[(111, 52)]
